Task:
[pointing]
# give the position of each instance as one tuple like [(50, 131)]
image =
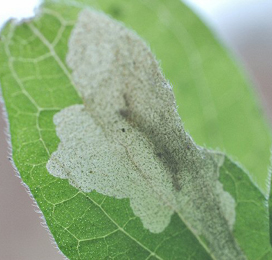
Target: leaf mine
[(127, 140)]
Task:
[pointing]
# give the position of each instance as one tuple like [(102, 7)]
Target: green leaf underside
[(36, 84)]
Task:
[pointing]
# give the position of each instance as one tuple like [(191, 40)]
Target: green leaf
[(251, 208), (36, 84)]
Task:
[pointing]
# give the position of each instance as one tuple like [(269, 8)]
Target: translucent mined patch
[(127, 140), (91, 161)]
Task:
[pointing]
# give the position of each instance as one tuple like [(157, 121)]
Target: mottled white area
[(91, 161), (127, 140)]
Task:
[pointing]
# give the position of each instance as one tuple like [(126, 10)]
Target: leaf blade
[(26, 169)]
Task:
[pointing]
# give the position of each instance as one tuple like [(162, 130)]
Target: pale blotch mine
[(127, 140)]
